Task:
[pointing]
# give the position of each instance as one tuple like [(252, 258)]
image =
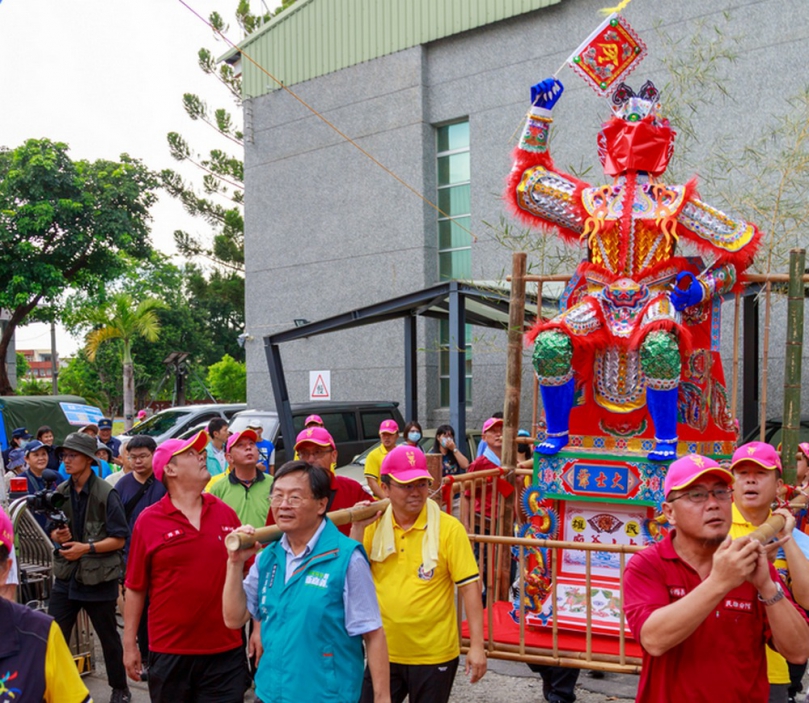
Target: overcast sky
[(106, 78)]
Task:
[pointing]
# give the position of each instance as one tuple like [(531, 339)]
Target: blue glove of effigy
[(546, 93), (684, 296)]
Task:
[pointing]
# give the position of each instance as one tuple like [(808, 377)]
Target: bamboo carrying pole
[(511, 406), (236, 541), (792, 366)]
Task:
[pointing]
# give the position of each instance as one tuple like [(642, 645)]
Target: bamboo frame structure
[(491, 542)]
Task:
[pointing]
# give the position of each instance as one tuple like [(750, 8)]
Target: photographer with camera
[(88, 563), (39, 477)]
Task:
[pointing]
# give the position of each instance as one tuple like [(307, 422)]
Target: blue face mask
[(414, 436)]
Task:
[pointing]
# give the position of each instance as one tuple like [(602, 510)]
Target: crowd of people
[(365, 611), (354, 612)]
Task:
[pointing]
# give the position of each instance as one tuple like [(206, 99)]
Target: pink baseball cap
[(314, 435), (248, 434), (759, 453), (804, 447), (313, 419), (685, 470), (173, 447), (405, 464), (6, 530), (389, 427), (491, 422)]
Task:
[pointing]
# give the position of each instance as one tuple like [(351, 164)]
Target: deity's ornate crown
[(633, 107)]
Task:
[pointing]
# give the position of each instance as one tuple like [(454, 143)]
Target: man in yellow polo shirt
[(419, 555), (756, 467), (388, 435)]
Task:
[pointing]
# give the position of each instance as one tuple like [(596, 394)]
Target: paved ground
[(506, 682)]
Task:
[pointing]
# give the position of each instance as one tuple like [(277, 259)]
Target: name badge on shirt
[(179, 532), (741, 606), (317, 578)]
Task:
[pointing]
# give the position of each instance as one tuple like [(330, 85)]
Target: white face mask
[(414, 436)]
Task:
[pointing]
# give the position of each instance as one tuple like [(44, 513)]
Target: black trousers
[(102, 614), (558, 682), (199, 678), (424, 683), (143, 633)]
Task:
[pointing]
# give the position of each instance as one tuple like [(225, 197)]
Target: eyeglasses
[(277, 501), (70, 456), (138, 458), (415, 486), (312, 453), (698, 496)]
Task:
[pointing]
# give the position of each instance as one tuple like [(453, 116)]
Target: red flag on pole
[(608, 55)]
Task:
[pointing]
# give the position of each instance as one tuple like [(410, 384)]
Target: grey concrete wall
[(328, 231)]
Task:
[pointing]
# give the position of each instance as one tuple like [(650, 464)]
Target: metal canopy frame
[(482, 305)]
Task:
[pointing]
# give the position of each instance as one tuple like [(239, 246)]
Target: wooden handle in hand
[(264, 535)]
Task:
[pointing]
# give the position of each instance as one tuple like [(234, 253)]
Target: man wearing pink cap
[(316, 446), (419, 556), (703, 605), (35, 662), (388, 435), (756, 467), (178, 558), (244, 487), (313, 421)]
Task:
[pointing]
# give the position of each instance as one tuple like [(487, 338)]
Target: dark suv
[(353, 425)]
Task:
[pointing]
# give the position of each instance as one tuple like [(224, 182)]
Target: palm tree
[(122, 319)]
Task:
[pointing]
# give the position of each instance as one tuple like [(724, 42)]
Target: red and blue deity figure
[(628, 335)]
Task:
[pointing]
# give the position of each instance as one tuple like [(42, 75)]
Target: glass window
[(453, 136), (454, 242)]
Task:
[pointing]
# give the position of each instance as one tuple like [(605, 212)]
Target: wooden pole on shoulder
[(236, 541)]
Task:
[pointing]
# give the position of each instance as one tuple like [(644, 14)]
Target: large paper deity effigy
[(637, 338)]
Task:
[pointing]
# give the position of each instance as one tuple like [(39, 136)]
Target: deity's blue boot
[(558, 402), (663, 411)]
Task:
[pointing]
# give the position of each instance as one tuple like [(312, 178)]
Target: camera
[(48, 503)]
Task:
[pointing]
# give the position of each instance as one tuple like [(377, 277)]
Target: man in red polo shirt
[(316, 446), (178, 558), (702, 605)]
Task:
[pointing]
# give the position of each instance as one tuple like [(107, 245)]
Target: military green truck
[(62, 413)]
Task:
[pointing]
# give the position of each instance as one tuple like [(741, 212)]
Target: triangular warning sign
[(319, 389)]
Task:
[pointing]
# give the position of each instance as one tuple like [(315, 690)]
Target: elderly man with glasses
[(313, 594), (703, 606)]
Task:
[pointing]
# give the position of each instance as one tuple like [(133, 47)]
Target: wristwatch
[(92, 547), (779, 594)]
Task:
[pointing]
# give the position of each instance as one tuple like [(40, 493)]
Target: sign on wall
[(320, 385)]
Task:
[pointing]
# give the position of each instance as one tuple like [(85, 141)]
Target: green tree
[(227, 380), (22, 366), (34, 386), (218, 198), (123, 319), (65, 226), (97, 381)]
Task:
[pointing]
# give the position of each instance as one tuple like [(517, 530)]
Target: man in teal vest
[(313, 593), (88, 561)]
